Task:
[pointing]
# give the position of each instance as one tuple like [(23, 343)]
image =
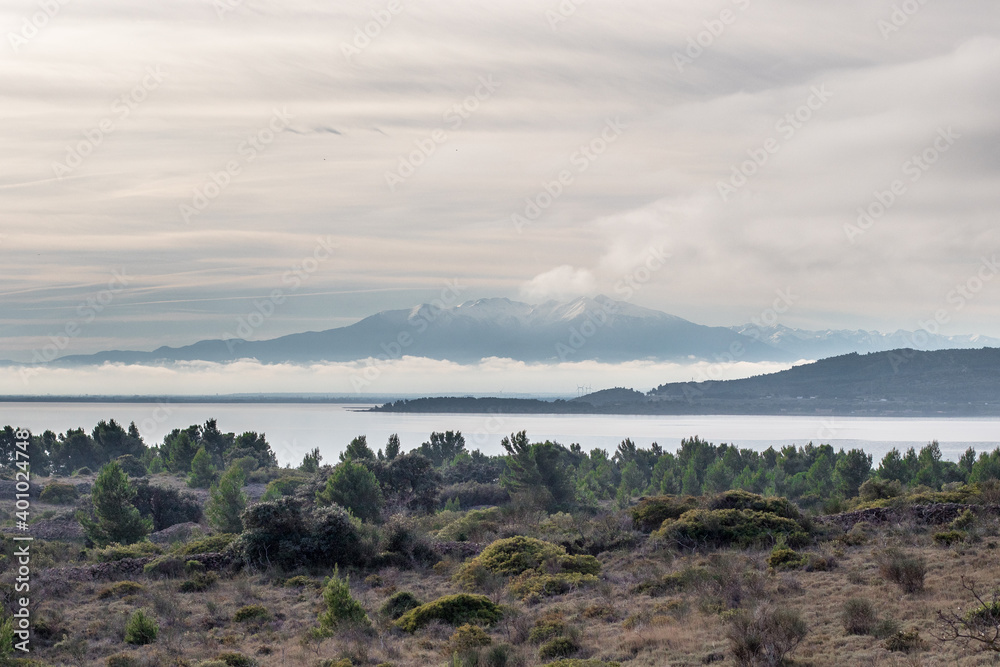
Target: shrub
[(530, 585), (904, 569), (281, 533), (122, 660), (398, 604), (963, 521), (879, 489), (673, 582), (949, 537), (859, 616), (131, 466), (59, 493), (164, 566), (251, 612), (402, 546), (236, 660), (577, 662), (200, 581), (904, 642), (205, 545), (783, 558), (548, 626), (560, 647), (519, 555), (650, 513), (120, 589), (81, 472), (302, 581), (283, 486), (744, 500), (764, 636), (731, 527), (467, 639), (115, 552), (474, 525), (141, 629), (452, 609), (166, 507), (341, 608)]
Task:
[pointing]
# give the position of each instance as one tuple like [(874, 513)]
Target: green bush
[(904, 569), (466, 640), (120, 589), (949, 537), (341, 607), (59, 493), (985, 616), (578, 662), (211, 544), (742, 528), (859, 616), (673, 582), (251, 613), (122, 660), (518, 555), (783, 558), (236, 660), (115, 552), (141, 629), (548, 626), (650, 513), (452, 609), (164, 566), (131, 466), (531, 585), (199, 581), (560, 647), (398, 604), (474, 525), (744, 500), (302, 581)]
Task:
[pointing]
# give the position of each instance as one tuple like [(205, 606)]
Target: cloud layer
[(520, 147)]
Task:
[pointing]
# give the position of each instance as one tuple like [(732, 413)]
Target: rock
[(179, 532)]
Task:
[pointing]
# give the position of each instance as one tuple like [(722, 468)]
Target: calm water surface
[(294, 429)]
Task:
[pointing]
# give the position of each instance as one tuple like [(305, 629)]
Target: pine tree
[(202, 471), (115, 517), (353, 487), (227, 501)]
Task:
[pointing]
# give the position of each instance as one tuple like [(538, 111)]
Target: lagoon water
[(294, 428)]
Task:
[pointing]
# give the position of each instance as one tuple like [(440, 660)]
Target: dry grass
[(682, 627)]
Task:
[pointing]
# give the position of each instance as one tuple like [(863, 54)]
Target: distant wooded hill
[(901, 382)]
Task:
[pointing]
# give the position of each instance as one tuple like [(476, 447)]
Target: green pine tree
[(227, 501), (353, 487), (115, 517), (202, 471)]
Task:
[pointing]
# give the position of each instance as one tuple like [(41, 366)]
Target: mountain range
[(586, 328)]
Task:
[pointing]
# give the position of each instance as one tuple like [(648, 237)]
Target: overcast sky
[(399, 160)]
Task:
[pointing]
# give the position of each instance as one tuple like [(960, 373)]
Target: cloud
[(408, 375), (561, 283)]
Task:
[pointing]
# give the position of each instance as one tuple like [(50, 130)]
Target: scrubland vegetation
[(202, 552)]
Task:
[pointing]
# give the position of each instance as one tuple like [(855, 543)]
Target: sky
[(170, 168)]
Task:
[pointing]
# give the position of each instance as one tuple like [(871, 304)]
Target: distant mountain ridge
[(834, 342), (599, 329), (583, 329)]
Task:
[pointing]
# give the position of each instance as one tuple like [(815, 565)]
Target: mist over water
[(294, 429)]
